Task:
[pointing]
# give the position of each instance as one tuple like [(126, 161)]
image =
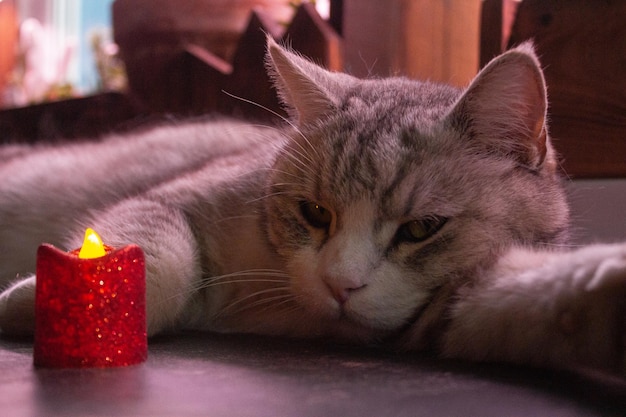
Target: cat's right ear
[(308, 91), (504, 108)]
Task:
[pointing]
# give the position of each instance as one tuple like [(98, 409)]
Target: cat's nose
[(342, 295)]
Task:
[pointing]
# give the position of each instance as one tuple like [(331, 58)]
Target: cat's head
[(389, 189)]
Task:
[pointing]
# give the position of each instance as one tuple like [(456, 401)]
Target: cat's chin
[(347, 324)]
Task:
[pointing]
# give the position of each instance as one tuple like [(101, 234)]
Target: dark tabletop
[(218, 375)]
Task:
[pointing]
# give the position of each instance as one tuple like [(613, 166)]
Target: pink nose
[(343, 294)]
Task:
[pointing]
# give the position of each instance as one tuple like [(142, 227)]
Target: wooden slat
[(80, 118), (496, 21), (188, 79), (310, 35), (582, 46), (424, 39)]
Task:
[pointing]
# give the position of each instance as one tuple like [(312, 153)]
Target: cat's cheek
[(309, 290)]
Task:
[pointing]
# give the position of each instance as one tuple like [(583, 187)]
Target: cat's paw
[(554, 309), (595, 318), (17, 308)]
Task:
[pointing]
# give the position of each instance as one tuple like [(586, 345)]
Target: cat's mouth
[(420, 329), (348, 315), (377, 310), (345, 318)]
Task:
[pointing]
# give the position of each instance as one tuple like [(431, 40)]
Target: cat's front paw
[(553, 309), (596, 317), (17, 308)]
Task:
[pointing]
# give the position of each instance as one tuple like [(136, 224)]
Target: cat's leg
[(546, 309), (17, 307), (172, 265)]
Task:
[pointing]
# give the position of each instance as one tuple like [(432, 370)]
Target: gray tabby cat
[(391, 211)]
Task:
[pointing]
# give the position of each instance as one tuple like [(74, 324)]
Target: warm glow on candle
[(92, 246)]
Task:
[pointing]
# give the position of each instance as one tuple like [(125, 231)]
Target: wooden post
[(582, 47), (497, 18), (425, 39)]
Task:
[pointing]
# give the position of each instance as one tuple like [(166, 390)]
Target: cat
[(391, 212)]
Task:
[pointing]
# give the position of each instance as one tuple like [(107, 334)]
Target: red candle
[(90, 308)]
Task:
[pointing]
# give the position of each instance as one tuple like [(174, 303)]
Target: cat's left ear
[(308, 91), (504, 108)]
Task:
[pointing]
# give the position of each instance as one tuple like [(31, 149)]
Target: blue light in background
[(95, 15)]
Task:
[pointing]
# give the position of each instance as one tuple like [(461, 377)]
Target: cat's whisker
[(270, 111), (246, 306), (305, 165), (281, 172), (195, 289), (280, 116), (224, 219), (269, 302), (265, 276), (289, 304), (236, 281), (287, 307), (275, 194), (250, 273), (303, 149)]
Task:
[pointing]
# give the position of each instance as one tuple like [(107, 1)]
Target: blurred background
[(49, 48), (82, 68)]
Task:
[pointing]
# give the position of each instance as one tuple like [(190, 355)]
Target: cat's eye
[(420, 230), (316, 215)]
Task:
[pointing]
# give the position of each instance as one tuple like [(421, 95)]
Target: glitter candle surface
[(90, 312)]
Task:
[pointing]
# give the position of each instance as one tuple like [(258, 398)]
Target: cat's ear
[(308, 91), (504, 108)]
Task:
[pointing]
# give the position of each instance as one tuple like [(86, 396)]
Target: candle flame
[(92, 246)]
